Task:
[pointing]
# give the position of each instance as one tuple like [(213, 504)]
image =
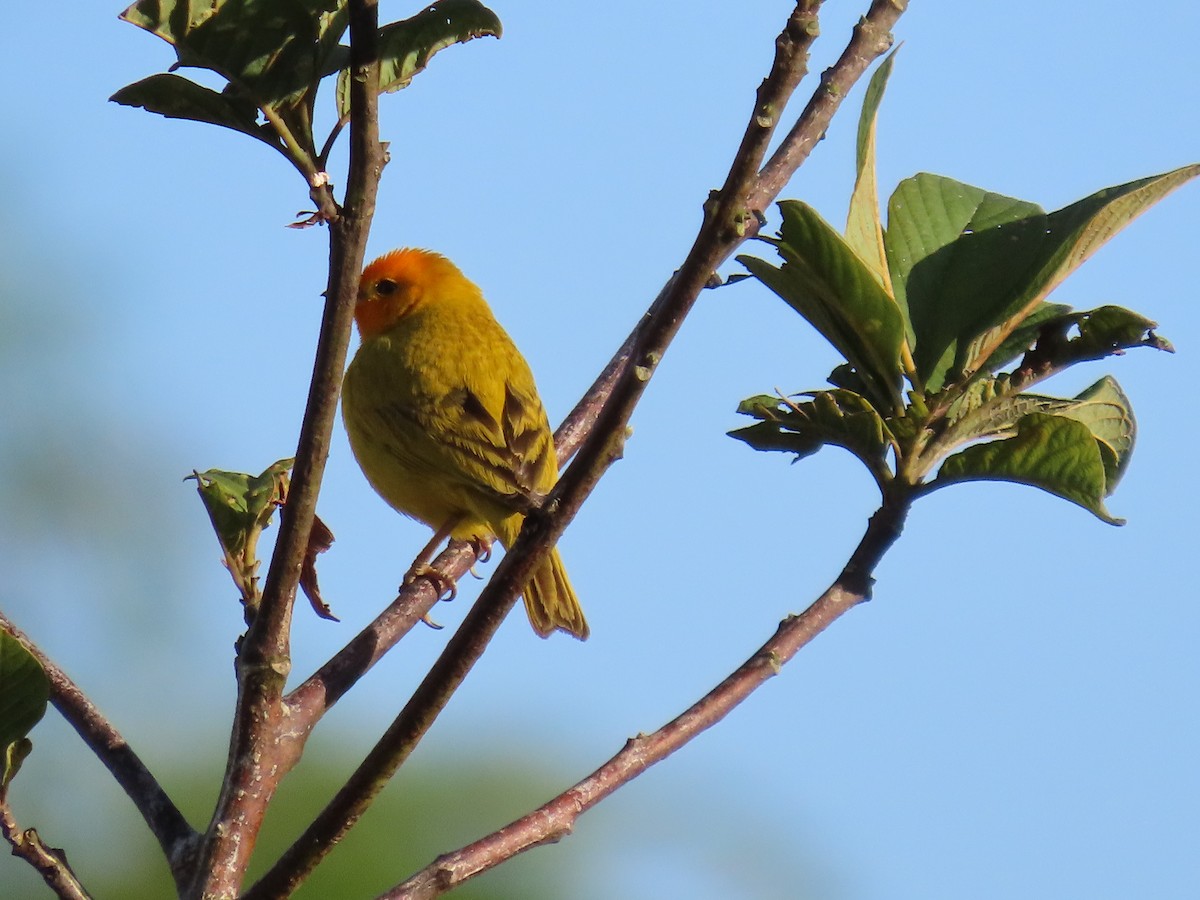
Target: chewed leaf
[(406, 47), (271, 50), (1053, 452), (840, 418), (240, 506)]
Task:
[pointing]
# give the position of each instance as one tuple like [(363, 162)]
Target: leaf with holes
[(406, 47), (840, 418), (273, 52), (240, 506)]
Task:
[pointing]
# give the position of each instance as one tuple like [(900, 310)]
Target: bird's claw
[(483, 550), (447, 590)]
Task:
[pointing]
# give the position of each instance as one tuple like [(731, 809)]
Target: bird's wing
[(499, 440)]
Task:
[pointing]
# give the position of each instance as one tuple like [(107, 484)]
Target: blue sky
[(1013, 715)]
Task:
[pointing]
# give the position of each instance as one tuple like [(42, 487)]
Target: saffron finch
[(445, 420)]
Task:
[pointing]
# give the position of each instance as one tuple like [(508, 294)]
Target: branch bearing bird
[(445, 420)]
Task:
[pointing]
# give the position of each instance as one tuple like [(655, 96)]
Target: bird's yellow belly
[(392, 456)]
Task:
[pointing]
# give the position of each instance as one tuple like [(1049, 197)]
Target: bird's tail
[(550, 600)]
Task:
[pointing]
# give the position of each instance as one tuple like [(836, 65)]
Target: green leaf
[(972, 266), (240, 506), (1110, 329), (1077, 231), (1025, 335), (825, 281), (11, 758), (1076, 337), (24, 691), (1055, 453), (838, 417), (178, 98), (1108, 415), (956, 253), (987, 409), (864, 226), (406, 47), (273, 51)]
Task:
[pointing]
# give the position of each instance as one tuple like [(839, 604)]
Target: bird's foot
[(482, 548), (442, 583)]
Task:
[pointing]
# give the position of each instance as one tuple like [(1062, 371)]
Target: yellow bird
[(445, 420)]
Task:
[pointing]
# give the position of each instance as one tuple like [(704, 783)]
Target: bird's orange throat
[(376, 314)]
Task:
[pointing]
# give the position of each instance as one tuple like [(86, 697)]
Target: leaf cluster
[(273, 56), (944, 322), (240, 507)]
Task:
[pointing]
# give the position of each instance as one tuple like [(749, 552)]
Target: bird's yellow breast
[(443, 417)]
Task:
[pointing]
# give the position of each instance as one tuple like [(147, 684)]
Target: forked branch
[(728, 223), (260, 753)]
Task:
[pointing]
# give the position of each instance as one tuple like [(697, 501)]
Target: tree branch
[(601, 428), (872, 37), (556, 819), (259, 754), (166, 822), (50, 863), (321, 690)]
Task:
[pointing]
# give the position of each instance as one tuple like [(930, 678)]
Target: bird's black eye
[(385, 287)]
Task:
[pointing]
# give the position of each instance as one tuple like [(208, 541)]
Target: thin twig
[(554, 820), (166, 822), (259, 754), (50, 862), (726, 226), (872, 37), (321, 690)]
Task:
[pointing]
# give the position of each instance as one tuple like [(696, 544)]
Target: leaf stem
[(327, 148), (291, 149)]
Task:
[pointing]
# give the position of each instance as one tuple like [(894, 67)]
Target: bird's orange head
[(398, 283)]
